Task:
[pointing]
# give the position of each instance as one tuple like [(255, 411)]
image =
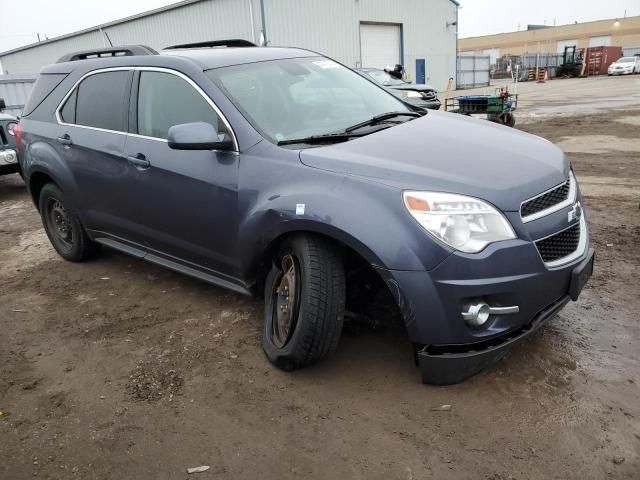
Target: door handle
[(139, 161), (65, 139)]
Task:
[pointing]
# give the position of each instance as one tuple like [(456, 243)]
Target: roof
[(201, 58), (148, 13), (209, 58)]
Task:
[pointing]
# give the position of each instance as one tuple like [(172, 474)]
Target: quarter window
[(165, 100), (99, 101)]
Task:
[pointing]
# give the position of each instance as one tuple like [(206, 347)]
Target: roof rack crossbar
[(119, 51), (233, 42)]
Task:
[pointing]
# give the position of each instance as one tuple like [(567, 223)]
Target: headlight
[(410, 94), (10, 127), (464, 223)]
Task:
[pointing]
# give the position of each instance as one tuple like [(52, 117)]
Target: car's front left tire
[(63, 226), (304, 303)]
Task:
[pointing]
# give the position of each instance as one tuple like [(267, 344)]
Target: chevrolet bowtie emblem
[(575, 213)]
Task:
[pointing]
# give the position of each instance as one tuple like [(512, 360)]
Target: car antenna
[(107, 35)]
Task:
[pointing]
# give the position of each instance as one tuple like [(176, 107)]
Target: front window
[(626, 60), (165, 100), (300, 97)]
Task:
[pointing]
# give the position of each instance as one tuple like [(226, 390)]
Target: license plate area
[(580, 276)]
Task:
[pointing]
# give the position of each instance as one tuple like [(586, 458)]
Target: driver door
[(183, 203)]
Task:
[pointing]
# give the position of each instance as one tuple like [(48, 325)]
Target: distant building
[(622, 32), (419, 34)]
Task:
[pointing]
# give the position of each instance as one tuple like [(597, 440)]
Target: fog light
[(477, 314), (8, 156)]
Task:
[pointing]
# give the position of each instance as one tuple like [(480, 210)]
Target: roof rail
[(234, 42), (120, 51)]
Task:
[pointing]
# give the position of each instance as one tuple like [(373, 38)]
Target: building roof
[(148, 13), (551, 27)]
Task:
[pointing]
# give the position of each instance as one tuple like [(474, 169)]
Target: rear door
[(93, 123), (182, 202)]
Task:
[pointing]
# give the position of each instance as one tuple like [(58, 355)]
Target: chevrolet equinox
[(280, 172)]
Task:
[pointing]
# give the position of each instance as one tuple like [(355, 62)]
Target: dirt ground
[(118, 369)]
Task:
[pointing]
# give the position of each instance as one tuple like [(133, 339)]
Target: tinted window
[(68, 112), (101, 100), (45, 84), (165, 100)]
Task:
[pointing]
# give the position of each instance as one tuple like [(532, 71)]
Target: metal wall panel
[(15, 90), (330, 27), (192, 22), (473, 71)]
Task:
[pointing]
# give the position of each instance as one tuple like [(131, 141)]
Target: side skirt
[(206, 275)]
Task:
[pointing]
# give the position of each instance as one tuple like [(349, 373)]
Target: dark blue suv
[(280, 172)]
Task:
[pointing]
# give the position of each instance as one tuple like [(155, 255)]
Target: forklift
[(571, 62)]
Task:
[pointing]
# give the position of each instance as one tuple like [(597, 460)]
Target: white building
[(420, 34)]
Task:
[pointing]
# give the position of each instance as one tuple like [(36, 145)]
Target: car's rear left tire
[(304, 303), (63, 226)]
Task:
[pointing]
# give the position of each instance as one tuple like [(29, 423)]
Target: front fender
[(366, 216)]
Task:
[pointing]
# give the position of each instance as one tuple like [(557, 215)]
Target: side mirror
[(197, 136), (2, 104)]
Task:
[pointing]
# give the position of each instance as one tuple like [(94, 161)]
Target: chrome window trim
[(181, 75), (577, 253), (571, 198)]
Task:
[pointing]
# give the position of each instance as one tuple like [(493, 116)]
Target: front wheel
[(304, 303)]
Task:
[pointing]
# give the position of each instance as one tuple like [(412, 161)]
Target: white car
[(625, 65)]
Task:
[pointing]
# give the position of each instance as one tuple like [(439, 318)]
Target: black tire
[(511, 120), (63, 226), (316, 309)]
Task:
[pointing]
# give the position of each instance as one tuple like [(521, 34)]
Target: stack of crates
[(473, 103)]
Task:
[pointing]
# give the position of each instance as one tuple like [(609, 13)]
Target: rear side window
[(45, 84), (165, 100), (99, 101), (68, 112)]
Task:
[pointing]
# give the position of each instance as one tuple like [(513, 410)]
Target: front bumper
[(426, 104), (446, 365), (505, 274)]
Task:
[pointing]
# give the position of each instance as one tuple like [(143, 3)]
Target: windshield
[(626, 60), (383, 78), (300, 97)]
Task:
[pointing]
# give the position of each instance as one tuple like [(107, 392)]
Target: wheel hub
[(286, 303), (60, 222)]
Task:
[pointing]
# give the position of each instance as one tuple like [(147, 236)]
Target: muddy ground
[(118, 369)]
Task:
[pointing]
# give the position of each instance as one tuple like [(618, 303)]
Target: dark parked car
[(8, 155), (279, 172), (419, 95)]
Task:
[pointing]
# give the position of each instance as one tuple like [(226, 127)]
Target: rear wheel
[(63, 226), (304, 303)]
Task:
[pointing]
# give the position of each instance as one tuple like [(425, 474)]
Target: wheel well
[(365, 287), (36, 182)]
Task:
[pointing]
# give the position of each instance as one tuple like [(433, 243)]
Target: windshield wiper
[(324, 138), (346, 134), (381, 117)]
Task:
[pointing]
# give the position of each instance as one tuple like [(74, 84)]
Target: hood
[(448, 152), (418, 87)]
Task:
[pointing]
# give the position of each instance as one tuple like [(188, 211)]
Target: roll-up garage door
[(379, 45)]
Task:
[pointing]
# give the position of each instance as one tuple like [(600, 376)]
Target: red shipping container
[(598, 59)]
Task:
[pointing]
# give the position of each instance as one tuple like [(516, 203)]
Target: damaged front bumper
[(448, 349), (449, 364)]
